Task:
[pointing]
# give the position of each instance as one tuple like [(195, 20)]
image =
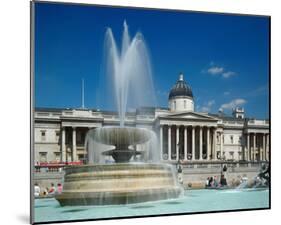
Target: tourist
[(257, 181), (223, 181), (59, 188), (37, 166), (36, 190), (207, 182), (45, 192), (215, 182), (52, 190), (244, 178), (179, 166), (211, 182)]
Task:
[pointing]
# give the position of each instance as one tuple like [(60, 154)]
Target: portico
[(257, 146), (73, 134), (188, 136), (72, 143)]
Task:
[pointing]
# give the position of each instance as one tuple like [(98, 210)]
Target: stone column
[(221, 147), (244, 147), (63, 149), (169, 142), (213, 144), (74, 150), (177, 144), (185, 143), (161, 142), (254, 147), (200, 144), (267, 147), (263, 147), (193, 143), (248, 147), (259, 148), (208, 143)]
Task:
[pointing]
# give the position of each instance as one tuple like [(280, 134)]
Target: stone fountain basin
[(121, 183), (120, 136)]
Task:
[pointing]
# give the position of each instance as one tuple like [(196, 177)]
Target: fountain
[(124, 181)]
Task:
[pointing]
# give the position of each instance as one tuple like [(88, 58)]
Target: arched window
[(184, 103), (175, 105)]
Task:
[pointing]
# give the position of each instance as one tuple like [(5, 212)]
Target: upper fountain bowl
[(120, 136)]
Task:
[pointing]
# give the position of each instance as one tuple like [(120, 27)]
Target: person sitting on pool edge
[(59, 188), (223, 181), (207, 182), (215, 182), (52, 190), (36, 190)]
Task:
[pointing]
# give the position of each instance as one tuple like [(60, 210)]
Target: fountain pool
[(193, 201)]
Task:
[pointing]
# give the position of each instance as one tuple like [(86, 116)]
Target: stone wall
[(194, 175)]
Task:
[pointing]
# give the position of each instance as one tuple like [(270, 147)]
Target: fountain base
[(121, 183)]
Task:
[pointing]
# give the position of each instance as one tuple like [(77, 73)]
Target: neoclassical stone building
[(182, 133)]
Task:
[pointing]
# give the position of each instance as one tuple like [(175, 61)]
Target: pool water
[(192, 201)]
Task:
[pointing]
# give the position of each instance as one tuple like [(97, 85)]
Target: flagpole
[(83, 105)]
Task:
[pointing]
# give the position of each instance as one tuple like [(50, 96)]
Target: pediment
[(189, 115)]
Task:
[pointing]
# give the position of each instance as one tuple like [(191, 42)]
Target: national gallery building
[(183, 134)]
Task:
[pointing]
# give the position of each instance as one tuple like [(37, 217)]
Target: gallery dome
[(180, 89)]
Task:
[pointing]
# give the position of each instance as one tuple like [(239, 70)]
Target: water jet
[(124, 181)]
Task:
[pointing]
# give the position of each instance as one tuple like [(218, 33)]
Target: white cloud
[(219, 70), (232, 104), (262, 90), (226, 93), (215, 70), (228, 74), (207, 107)]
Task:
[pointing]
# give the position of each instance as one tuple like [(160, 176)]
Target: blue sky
[(224, 57)]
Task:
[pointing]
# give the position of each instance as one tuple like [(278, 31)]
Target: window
[(184, 104), (43, 156), (231, 155), (43, 135), (57, 135), (240, 139), (231, 139), (175, 105), (57, 156)]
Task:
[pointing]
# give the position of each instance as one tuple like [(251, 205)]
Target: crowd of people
[(213, 182), (47, 191)]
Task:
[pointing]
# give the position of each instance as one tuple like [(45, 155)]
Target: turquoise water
[(192, 201)]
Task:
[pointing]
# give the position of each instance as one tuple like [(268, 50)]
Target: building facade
[(183, 133)]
